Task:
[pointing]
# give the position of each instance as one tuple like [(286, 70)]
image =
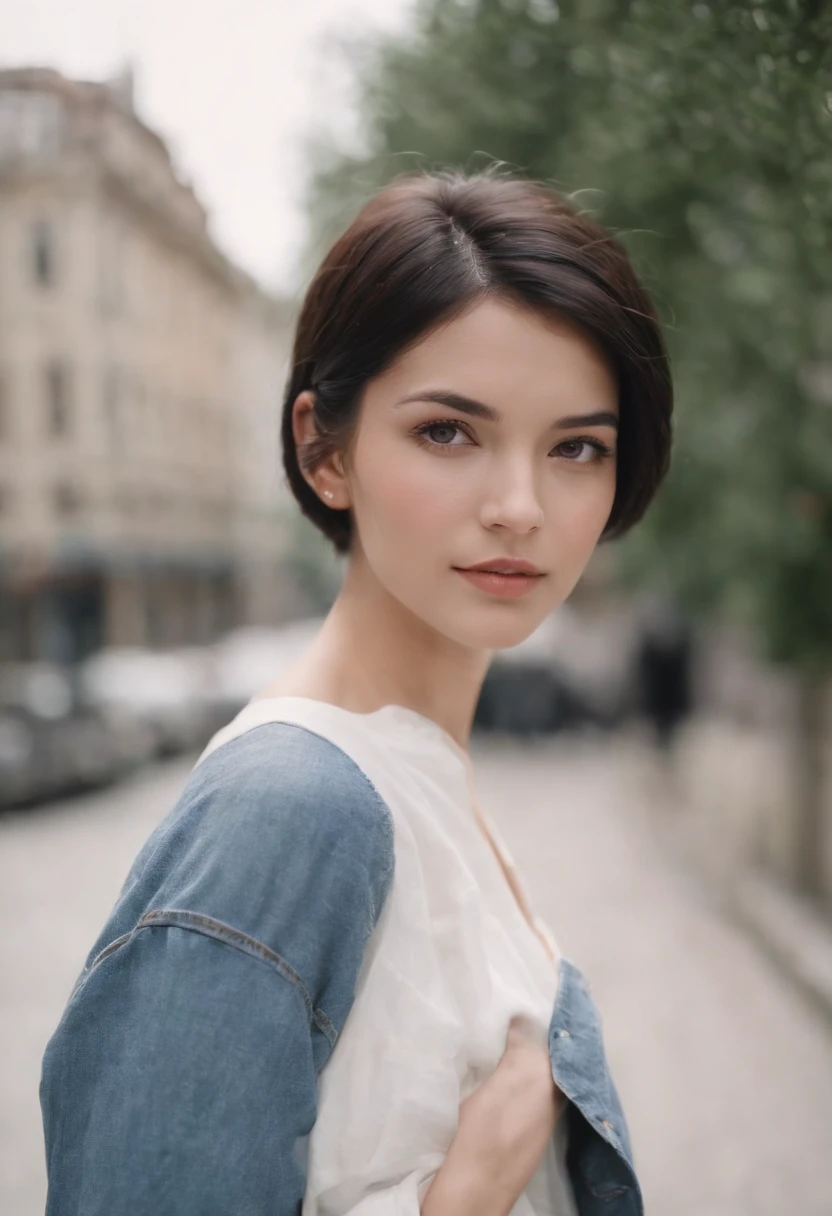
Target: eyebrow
[(477, 409)]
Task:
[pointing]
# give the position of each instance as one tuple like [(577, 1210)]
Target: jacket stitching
[(197, 922), (387, 814), (113, 946), (200, 923), (389, 829)]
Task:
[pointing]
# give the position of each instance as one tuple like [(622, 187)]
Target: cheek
[(583, 511), (402, 498)]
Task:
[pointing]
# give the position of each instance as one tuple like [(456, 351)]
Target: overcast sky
[(231, 84)]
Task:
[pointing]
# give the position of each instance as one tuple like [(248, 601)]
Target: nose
[(512, 499)]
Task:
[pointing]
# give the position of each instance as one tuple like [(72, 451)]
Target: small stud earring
[(328, 494)]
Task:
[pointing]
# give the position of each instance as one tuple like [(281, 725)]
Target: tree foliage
[(701, 133)]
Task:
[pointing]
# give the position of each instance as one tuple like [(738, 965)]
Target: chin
[(504, 639), (476, 633)]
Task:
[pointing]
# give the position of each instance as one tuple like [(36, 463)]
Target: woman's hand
[(504, 1127)]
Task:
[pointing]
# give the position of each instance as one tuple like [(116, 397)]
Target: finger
[(524, 1029)]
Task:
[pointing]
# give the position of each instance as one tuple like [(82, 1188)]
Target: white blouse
[(452, 959)]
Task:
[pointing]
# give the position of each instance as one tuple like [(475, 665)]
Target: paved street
[(724, 1071)]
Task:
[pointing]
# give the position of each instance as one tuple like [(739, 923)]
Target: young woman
[(322, 988)]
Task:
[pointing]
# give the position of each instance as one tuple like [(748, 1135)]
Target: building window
[(57, 399), (111, 276), (67, 499), (112, 402), (31, 123), (43, 253)]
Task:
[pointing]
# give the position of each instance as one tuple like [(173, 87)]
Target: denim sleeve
[(184, 1069)]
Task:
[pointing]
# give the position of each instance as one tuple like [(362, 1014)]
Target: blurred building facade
[(140, 378)]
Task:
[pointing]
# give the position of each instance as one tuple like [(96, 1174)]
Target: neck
[(371, 651)]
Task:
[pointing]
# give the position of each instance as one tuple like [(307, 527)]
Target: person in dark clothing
[(664, 666)]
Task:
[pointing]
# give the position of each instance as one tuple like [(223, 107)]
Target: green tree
[(701, 134)]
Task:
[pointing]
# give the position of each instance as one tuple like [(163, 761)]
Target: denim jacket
[(182, 1076)]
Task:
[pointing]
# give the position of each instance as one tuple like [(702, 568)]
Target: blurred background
[(657, 754)]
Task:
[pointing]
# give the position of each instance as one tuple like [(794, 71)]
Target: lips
[(504, 566), (504, 585), (500, 570)]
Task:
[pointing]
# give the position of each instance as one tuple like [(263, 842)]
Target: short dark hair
[(428, 246)]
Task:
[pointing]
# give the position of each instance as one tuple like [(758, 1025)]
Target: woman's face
[(433, 488)]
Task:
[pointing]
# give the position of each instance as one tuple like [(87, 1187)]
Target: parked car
[(167, 692), (560, 677), (50, 745), (24, 753), (182, 696)]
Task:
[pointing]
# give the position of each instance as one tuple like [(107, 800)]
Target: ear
[(327, 479)]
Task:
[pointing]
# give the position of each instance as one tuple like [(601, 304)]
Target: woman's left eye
[(588, 450)]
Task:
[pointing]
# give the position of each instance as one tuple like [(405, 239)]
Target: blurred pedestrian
[(665, 671)]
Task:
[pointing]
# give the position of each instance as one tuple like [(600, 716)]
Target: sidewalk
[(797, 937), (723, 1067), (714, 842)]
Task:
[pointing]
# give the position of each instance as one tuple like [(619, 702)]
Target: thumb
[(522, 1030)]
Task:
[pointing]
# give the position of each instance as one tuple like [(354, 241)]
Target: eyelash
[(602, 449)]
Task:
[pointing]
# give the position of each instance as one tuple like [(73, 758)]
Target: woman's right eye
[(435, 444)]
